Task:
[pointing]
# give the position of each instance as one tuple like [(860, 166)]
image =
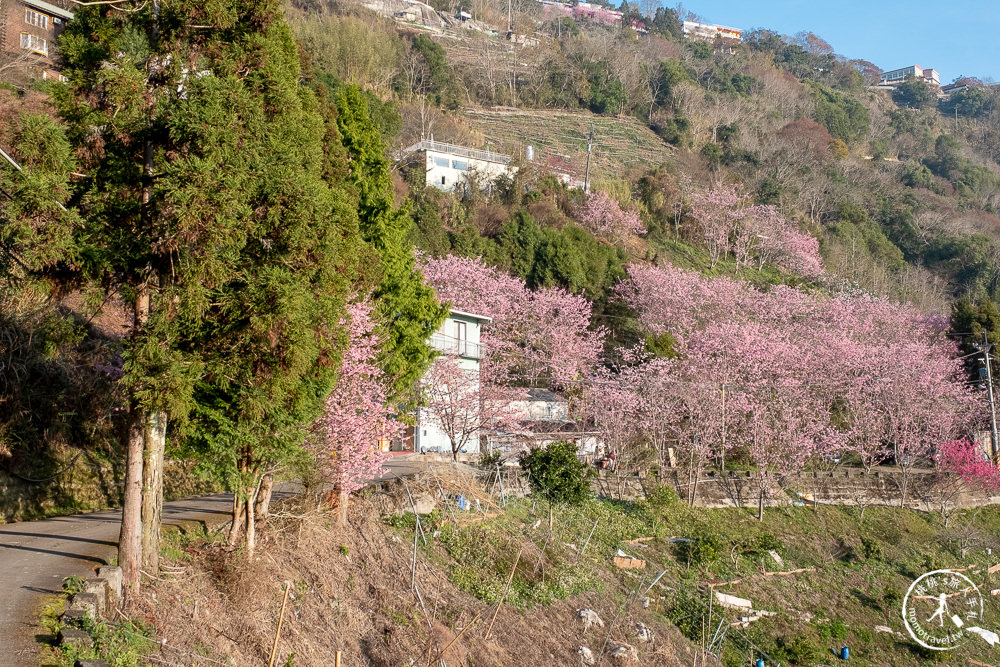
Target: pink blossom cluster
[(536, 337), (605, 217), (964, 459), (785, 374), (345, 438), (730, 224)]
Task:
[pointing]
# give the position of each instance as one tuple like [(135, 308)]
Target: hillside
[(560, 140), (900, 187), (353, 589)]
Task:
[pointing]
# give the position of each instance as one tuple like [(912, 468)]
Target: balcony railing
[(461, 151), (449, 345)]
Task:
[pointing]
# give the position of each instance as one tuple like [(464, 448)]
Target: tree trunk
[(550, 517), (251, 522), (130, 537), (239, 511), (263, 505), (694, 489), (154, 439), (760, 507)]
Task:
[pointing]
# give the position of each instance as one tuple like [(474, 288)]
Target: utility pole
[(586, 176), (986, 347), (510, 18)]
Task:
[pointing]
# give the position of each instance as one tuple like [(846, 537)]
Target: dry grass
[(350, 592)]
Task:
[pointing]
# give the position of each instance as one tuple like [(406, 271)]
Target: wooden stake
[(502, 597), (281, 618), (337, 664)]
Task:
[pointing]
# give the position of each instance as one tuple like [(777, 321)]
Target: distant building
[(28, 31), (449, 165), (707, 32), (544, 419), (896, 76)]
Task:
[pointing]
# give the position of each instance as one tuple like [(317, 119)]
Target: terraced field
[(560, 139)]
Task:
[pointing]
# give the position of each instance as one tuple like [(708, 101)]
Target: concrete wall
[(925, 490)]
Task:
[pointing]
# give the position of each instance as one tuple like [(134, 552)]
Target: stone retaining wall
[(926, 490)]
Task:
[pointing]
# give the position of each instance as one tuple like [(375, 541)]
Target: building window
[(31, 17), (441, 162), (460, 165), (34, 43), (460, 335)]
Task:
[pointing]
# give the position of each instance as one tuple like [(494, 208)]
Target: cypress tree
[(199, 197)]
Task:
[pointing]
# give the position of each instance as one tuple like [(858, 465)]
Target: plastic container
[(845, 653)]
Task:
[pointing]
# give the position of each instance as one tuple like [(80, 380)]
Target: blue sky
[(951, 36)]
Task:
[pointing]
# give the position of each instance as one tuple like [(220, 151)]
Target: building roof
[(49, 9), (462, 151), (462, 313), (541, 394)]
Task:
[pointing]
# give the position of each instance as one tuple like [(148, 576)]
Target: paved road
[(35, 556)]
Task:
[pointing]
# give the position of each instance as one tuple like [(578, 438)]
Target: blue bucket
[(845, 653)]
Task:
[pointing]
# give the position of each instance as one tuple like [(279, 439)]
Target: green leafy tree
[(557, 474), (915, 94), (407, 309), (205, 205), (971, 102)]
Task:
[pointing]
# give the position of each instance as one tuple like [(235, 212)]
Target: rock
[(623, 654), (586, 656), (776, 557), (74, 637), (113, 575), (643, 633), (86, 602), (590, 618), (732, 602), (99, 588), (424, 503), (883, 628), (645, 603), (74, 616)]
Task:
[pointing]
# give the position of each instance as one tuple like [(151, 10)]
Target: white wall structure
[(458, 336), (898, 75), (709, 32), (449, 165)]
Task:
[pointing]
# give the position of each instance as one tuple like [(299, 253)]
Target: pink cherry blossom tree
[(462, 406), (604, 216), (537, 337), (961, 466), (345, 439)]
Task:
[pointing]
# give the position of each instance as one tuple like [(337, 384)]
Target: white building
[(710, 32), (459, 336), (448, 165), (893, 77)]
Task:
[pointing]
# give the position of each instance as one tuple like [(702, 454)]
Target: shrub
[(699, 550)]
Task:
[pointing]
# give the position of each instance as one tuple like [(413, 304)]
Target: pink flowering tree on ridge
[(604, 216), (729, 224), (345, 439)]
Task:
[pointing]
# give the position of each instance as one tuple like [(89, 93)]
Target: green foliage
[(407, 308), (699, 550), (798, 650), (247, 250), (845, 118), (557, 474), (443, 86), (871, 548), (915, 94), (972, 102)]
